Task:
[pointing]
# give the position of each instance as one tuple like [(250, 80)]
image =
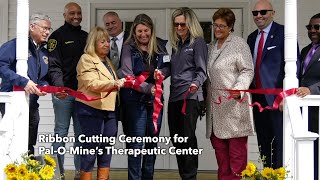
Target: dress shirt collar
[(267, 29), (120, 36)]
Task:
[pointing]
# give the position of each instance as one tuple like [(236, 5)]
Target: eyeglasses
[(220, 26), (262, 12), (44, 29), (315, 26), (180, 24)]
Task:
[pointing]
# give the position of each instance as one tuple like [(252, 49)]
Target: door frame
[(95, 7), (199, 5)]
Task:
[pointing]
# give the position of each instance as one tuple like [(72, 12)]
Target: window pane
[(127, 26), (207, 31)]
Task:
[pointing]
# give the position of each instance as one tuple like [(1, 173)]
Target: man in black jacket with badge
[(65, 46)]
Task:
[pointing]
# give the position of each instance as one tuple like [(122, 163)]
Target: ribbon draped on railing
[(281, 94)]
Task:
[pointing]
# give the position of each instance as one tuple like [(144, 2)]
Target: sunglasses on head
[(315, 26), (180, 24), (262, 12)]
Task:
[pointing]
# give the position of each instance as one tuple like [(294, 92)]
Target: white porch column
[(290, 80), (22, 37), (15, 123), (22, 55)]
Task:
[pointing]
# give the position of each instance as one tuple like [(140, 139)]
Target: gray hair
[(111, 13), (36, 17)]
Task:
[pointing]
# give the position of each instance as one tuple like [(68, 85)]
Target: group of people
[(97, 64)]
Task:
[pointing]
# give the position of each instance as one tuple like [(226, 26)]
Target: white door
[(162, 20), (127, 16)]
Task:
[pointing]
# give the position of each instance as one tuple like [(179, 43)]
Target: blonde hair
[(95, 34), (192, 24), (146, 21)]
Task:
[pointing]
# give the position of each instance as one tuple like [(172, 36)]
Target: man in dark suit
[(113, 25), (310, 78), (267, 48)]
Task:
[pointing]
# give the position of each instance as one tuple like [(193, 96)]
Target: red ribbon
[(275, 91), (279, 92), (134, 83), (184, 106), (157, 104), (71, 92)]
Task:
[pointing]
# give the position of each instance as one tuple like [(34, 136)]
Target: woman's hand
[(119, 83), (193, 88), (234, 94), (157, 74), (153, 90)]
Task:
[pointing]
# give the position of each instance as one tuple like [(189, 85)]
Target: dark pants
[(269, 128), (185, 126), (34, 119), (95, 122), (138, 122)]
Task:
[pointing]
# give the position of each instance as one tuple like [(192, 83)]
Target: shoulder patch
[(52, 44)]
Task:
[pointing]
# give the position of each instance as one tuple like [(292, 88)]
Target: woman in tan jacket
[(97, 77), (230, 123)]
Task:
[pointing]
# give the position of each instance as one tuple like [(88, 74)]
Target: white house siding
[(54, 8)]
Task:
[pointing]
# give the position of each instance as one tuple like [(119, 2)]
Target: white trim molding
[(245, 6), (4, 17)]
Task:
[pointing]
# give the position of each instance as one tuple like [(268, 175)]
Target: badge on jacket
[(45, 59), (69, 42), (166, 58), (52, 44)]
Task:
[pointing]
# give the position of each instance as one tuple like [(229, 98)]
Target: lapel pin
[(271, 36)]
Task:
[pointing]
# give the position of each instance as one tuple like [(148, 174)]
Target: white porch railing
[(13, 128), (298, 141)]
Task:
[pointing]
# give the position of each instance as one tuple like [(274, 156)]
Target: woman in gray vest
[(142, 52)]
